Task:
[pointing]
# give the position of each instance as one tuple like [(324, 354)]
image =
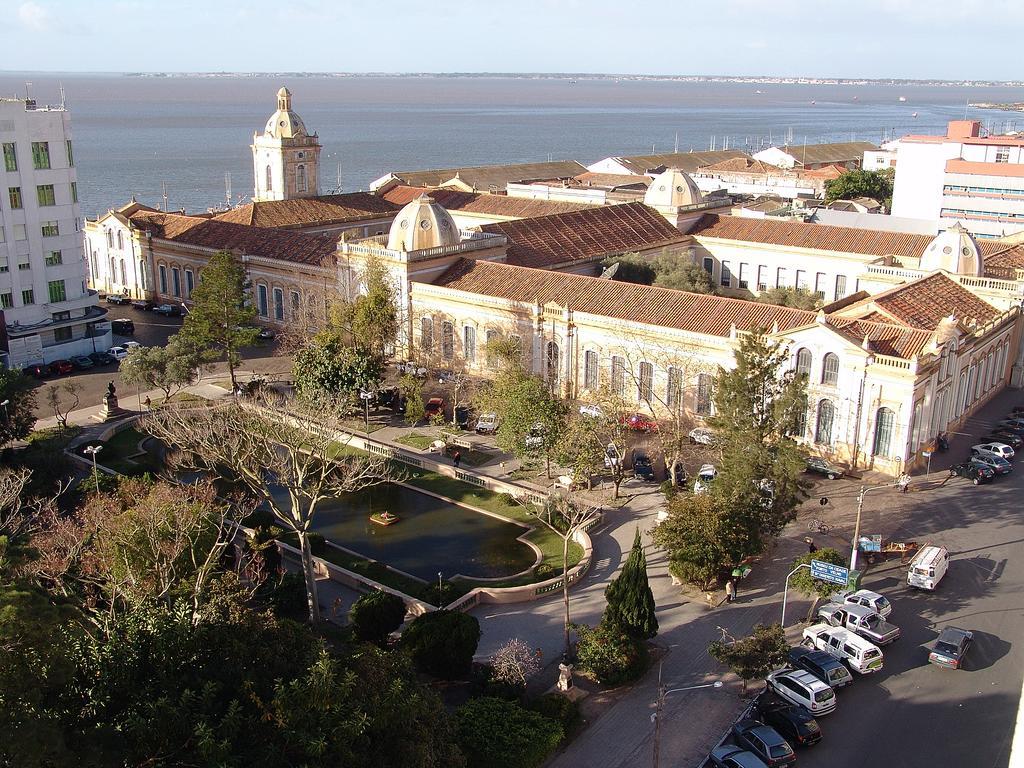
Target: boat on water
[(383, 518), (903, 98)]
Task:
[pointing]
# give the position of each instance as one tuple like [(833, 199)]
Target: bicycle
[(816, 525)]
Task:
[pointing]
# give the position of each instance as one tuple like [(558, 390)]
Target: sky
[(944, 39)]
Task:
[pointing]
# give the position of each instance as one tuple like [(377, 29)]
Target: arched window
[(803, 361), (826, 416), (618, 376), (674, 392), (645, 385), (447, 340), (704, 382), (110, 238), (492, 338), (961, 393), (885, 420), (143, 278), (830, 369), (113, 270), (300, 178), (124, 273), (552, 362), (469, 343), (800, 420), (120, 241), (590, 380), (270, 180)]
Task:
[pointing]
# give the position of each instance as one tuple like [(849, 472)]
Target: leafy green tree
[(581, 449), (17, 417), (169, 369), (758, 404), (220, 320), (328, 369), (752, 657), (680, 274), (609, 653), (527, 409), (442, 643), (495, 733), (375, 315), (790, 296), (629, 596), (631, 268), (411, 390), (376, 615), (860, 183)]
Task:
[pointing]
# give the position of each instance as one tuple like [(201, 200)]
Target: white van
[(861, 656), (928, 567)]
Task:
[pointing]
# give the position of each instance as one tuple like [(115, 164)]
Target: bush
[(494, 733), (559, 708), (442, 643), (507, 499), (288, 598), (317, 544), (377, 615), (609, 654), (259, 518)]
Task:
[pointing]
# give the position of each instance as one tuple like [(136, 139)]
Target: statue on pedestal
[(110, 399), (564, 677)]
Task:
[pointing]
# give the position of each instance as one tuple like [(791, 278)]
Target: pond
[(431, 535)]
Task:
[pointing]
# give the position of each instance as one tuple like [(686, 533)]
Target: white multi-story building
[(46, 311), (962, 177)]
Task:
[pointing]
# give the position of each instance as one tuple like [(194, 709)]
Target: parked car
[(266, 334), (461, 416), (859, 654), (974, 471), (864, 621), (822, 665), (60, 368), (592, 410), (639, 422), (118, 353), (388, 397), (1010, 425), (130, 345), (928, 567), (487, 424), (950, 647), (117, 298), (435, 406), (1001, 436), (705, 476), (823, 467), (143, 305), (535, 439), (802, 688), (169, 310), (702, 436), (865, 597), (793, 722), (998, 464), (731, 756), (102, 358), (82, 362), (36, 370), (764, 741), (612, 457), (1001, 450), (122, 326), (642, 466)]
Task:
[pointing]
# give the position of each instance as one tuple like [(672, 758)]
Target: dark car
[(389, 397), (974, 471), (764, 741), (822, 665), (823, 467), (102, 358), (36, 370), (122, 326), (793, 722), (117, 298), (950, 647), (435, 405), (1012, 439), (462, 416), (1011, 426), (639, 422), (642, 466), (731, 756), (170, 310), (266, 334), (143, 305), (59, 368), (82, 362)]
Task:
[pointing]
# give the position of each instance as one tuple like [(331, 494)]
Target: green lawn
[(417, 440)]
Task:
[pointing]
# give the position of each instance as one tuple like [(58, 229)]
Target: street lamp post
[(856, 528), (660, 705), (366, 396), (440, 599), (7, 420), (92, 450)]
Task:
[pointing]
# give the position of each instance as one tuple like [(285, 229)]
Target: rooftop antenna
[(652, 149), (676, 150), (28, 94), (62, 95), (227, 189), (163, 192), (338, 187)]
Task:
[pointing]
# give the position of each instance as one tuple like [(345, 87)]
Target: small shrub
[(507, 499), (377, 615), (546, 571), (494, 733), (442, 643), (559, 708), (668, 489), (288, 597), (609, 654)]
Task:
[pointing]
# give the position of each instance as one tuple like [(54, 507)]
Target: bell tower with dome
[(285, 156)]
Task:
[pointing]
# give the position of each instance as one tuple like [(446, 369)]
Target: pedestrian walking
[(148, 403), (457, 458), (811, 547), (730, 590), (904, 482)]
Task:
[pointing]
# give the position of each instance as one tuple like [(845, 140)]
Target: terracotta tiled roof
[(744, 164), (817, 236), (612, 180), (701, 313), (883, 338), (587, 234), (923, 303), (222, 235), (310, 211), (1004, 263), (684, 161), (841, 152), (476, 202), (825, 172), (483, 177)]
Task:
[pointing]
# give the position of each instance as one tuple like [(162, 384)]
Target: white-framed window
[(176, 281), (469, 343), (674, 391), (826, 418), (1002, 154), (840, 286), (553, 363), (270, 179), (801, 278), (830, 369), (590, 370), (803, 361), (296, 303)]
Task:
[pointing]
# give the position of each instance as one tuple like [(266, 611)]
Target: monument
[(110, 409)]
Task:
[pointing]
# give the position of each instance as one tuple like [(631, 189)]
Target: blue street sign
[(837, 574)]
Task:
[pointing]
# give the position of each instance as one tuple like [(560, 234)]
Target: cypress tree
[(629, 596)]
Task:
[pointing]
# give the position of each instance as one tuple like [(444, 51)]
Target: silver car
[(1002, 450)]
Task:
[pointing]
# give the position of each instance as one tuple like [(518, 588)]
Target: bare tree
[(60, 405), (565, 517), (514, 663), (263, 448)]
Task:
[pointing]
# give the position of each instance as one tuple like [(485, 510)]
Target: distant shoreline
[(1013, 107)]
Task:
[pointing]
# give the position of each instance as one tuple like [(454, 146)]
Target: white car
[(118, 353), (865, 598), (535, 439), (487, 424), (591, 410), (1002, 450), (612, 457), (701, 436), (804, 689), (705, 477)]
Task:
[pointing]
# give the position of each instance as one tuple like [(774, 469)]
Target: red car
[(435, 405), (639, 422), (60, 367)]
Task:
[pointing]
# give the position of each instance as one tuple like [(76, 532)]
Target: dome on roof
[(955, 251), (423, 223), (672, 189), (285, 124)]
